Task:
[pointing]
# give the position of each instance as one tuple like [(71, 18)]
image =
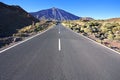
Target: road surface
[(59, 54)]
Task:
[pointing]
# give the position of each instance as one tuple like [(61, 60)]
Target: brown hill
[(13, 18), (116, 20)]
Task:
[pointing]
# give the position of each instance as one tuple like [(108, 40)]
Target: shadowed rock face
[(54, 14), (13, 18)]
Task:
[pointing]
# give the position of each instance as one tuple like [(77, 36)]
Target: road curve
[(59, 54)]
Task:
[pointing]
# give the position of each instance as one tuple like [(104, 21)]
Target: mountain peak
[(54, 14), (53, 8)]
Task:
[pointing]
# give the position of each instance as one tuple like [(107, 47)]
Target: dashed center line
[(59, 32), (59, 44), (59, 29)]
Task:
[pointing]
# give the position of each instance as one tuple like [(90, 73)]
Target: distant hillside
[(86, 18), (13, 18), (54, 14), (113, 20)]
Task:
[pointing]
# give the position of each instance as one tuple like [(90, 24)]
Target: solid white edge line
[(94, 41), (59, 44), (24, 40)]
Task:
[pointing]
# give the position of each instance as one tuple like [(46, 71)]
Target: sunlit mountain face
[(54, 14)]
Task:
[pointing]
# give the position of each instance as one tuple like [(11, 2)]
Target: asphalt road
[(59, 54)]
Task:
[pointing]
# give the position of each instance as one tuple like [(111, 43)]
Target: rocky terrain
[(13, 18)]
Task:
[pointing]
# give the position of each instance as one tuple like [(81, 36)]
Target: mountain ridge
[(54, 14)]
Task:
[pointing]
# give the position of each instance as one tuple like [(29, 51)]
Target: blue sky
[(98, 9)]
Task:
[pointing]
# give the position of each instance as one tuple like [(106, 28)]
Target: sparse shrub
[(87, 30), (109, 26), (104, 29), (111, 36), (21, 35), (95, 30), (117, 37), (115, 29)]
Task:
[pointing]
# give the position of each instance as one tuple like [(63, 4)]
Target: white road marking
[(59, 29), (59, 44), (24, 40), (59, 32)]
